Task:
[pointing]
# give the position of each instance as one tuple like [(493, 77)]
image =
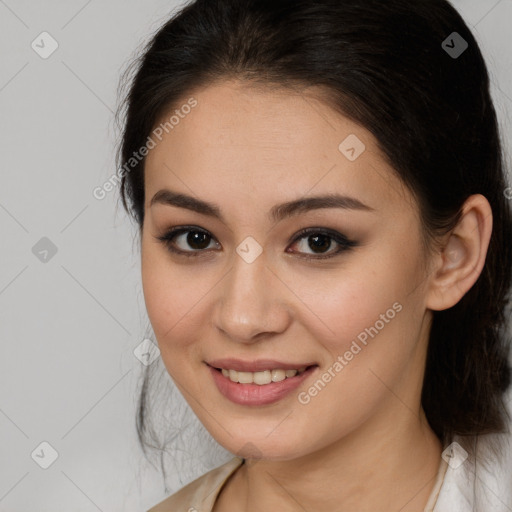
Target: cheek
[(376, 322), (170, 298), (362, 299)]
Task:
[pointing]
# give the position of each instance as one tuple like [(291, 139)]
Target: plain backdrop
[(71, 304)]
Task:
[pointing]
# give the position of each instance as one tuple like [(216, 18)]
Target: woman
[(326, 260)]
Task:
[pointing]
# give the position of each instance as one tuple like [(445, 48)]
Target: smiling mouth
[(263, 377), (271, 382)]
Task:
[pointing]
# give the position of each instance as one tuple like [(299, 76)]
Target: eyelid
[(170, 235), (343, 242)]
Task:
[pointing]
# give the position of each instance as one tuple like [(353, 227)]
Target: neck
[(387, 468)]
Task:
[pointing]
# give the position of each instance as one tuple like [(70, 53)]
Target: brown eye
[(319, 241), (188, 241)]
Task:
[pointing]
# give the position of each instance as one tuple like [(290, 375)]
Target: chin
[(255, 445)]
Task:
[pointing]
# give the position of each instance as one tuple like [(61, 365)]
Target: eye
[(196, 238), (319, 240)]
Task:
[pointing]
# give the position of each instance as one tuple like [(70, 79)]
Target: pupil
[(194, 237), (320, 241)]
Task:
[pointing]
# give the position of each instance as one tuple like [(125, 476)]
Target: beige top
[(201, 494)]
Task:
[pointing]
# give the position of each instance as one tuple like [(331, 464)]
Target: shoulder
[(199, 495), (484, 483)]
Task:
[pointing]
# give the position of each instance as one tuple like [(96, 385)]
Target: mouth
[(267, 385), (261, 378)]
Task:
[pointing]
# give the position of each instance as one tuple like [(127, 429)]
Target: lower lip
[(253, 394)]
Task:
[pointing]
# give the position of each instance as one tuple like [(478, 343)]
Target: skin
[(363, 442)]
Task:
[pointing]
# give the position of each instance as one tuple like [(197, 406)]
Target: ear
[(461, 260)]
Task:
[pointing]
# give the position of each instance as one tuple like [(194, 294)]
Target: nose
[(251, 302)]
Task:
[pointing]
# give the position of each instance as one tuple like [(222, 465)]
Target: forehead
[(259, 144)]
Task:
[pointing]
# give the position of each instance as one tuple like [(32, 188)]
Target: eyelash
[(344, 243)]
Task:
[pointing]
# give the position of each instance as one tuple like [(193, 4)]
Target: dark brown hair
[(383, 65)]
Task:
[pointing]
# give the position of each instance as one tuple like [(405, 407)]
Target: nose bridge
[(250, 301)]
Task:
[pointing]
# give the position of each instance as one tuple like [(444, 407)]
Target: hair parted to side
[(382, 65)]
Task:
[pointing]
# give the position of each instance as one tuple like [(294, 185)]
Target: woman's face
[(244, 289)]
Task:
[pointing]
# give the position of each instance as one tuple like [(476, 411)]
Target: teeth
[(278, 375), (261, 378), (244, 377)]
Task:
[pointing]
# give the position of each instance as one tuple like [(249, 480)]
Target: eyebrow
[(277, 213)]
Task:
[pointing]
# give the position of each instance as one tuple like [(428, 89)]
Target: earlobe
[(463, 257)]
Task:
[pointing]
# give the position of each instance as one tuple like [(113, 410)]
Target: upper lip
[(255, 366)]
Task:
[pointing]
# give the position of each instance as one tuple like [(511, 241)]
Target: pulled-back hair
[(383, 65)]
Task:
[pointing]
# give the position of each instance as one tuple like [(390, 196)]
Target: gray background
[(69, 325)]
